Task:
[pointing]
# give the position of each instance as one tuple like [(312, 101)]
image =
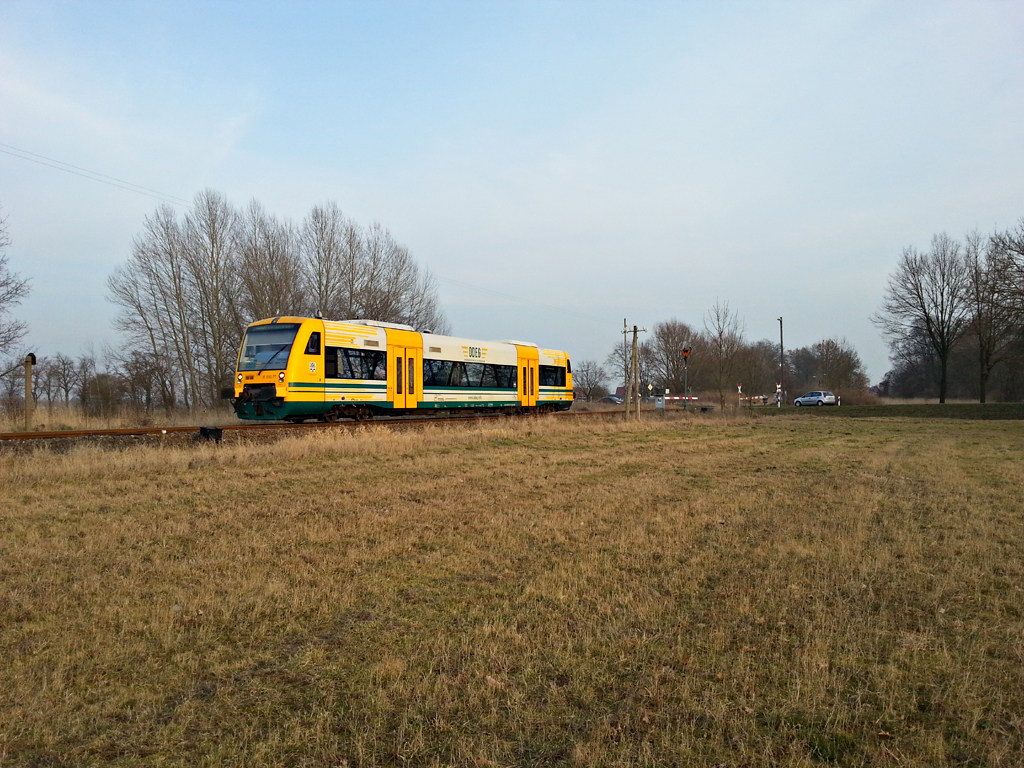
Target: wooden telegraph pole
[(633, 376)]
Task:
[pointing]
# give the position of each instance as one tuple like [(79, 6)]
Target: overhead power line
[(103, 178), (60, 165)]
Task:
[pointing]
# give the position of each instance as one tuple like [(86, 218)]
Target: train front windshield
[(266, 347)]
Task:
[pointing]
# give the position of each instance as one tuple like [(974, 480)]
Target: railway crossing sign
[(739, 389), (686, 353)]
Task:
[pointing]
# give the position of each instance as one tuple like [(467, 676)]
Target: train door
[(527, 375), (306, 370), (405, 369)]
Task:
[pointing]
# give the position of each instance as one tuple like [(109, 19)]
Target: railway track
[(216, 432)]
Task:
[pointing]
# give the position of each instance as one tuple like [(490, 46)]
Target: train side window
[(436, 373), (474, 373), (506, 376), (313, 347), (331, 362), (412, 376), (377, 365), (361, 364), (458, 376), (398, 376), (490, 378)]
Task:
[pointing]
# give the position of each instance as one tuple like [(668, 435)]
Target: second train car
[(301, 368)]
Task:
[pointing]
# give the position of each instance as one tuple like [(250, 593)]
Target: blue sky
[(635, 160)]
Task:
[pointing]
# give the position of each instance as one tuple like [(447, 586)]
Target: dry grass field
[(683, 592), (59, 418)]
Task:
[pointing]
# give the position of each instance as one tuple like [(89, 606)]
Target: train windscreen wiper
[(277, 351)]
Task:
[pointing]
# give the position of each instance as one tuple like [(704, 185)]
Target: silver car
[(816, 398)]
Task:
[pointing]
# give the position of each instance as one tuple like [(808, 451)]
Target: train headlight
[(239, 378), (280, 376)]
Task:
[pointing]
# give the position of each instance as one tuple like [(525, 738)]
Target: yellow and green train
[(300, 368)]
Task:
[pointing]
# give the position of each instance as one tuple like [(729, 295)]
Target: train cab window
[(313, 346), (267, 346), (568, 366)]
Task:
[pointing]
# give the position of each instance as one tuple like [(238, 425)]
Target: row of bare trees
[(957, 299), (194, 282), (720, 358), (98, 388)]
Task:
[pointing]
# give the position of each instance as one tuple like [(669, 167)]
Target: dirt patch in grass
[(784, 591)]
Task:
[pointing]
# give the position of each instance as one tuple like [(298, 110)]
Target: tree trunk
[(983, 377), (943, 361)]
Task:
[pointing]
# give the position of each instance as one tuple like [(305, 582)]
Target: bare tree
[(1008, 251), (269, 267), (995, 312), (191, 285), (329, 246), (211, 279), (152, 290), (723, 335), (666, 344), (757, 367), (390, 286), (839, 366), (12, 388), (85, 373), (44, 381), (65, 375), (588, 377), (927, 297), (617, 362), (12, 290)]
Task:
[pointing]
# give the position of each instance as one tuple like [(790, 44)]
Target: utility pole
[(686, 375), (30, 360), (633, 377), (782, 365)]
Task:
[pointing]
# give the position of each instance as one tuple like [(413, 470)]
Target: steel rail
[(394, 422)]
